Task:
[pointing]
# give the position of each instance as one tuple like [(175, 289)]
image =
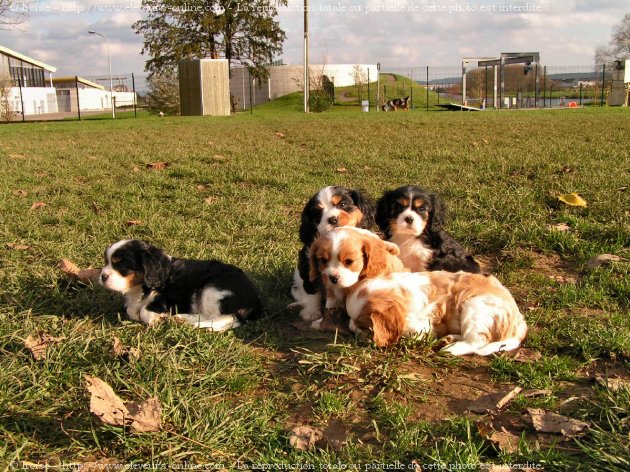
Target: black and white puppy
[(412, 218), (329, 208), (205, 294)]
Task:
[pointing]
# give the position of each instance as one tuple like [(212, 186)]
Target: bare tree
[(618, 46), (13, 12), (6, 111), (360, 79), (163, 93)]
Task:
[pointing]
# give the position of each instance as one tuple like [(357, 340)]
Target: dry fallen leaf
[(572, 199), (158, 165), (562, 227), (601, 260), (133, 222), (536, 393), (305, 437), (335, 434), (549, 422), (209, 200), (525, 355), (20, 193), (506, 441), (342, 170), (218, 158), (280, 134), (18, 247), (38, 205), (39, 343), (85, 276), (614, 384), (126, 352), (494, 401), (104, 403)]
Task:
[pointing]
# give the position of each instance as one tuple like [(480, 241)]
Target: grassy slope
[(234, 191)]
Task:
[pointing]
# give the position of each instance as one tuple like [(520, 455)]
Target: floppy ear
[(374, 257), (156, 266), (313, 269), (384, 213), (388, 324), (366, 206), (392, 248), (437, 215), (311, 215)]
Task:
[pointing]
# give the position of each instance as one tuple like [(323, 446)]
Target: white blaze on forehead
[(329, 210), (418, 224), (335, 267), (113, 248)]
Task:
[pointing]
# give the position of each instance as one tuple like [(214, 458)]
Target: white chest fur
[(134, 302), (413, 253)]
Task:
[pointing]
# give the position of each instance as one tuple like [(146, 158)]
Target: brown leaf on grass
[(17, 156), (39, 343), (505, 441), (342, 170), (525, 355), (536, 393), (305, 437), (104, 403), (200, 188), (18, 247), (158, 165), (280, 134), (614, 384), (126, 352), (562, 227), (209, 200), (602, 259), (20, 193), (218, 158), (136, 169), (82, 275), (133, 222), (493, 401), (549, 422), (335, 434), (38, 205)]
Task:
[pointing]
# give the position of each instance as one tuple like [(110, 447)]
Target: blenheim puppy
[(474, 312), (328, 209), (205, 294), (413, 219), (345, 256)]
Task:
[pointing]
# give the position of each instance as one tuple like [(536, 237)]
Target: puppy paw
[(317, 324)]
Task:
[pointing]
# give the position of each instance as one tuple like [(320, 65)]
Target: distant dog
[(205, 294), (413, 219), (326, 210), (395, 104)]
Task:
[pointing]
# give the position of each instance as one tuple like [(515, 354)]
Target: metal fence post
[(22, 99), (368, 87), (251, 103), (133, 86), (427, 88), (544, 86)]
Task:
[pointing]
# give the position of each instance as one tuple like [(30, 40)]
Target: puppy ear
[(392, 248), (374, 257), (388, 324), (384, 213), (366, 207), (437, 215), (156, 266), (313, 269), (310, 219)]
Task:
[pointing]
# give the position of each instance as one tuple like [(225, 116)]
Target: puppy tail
[(498, 346)]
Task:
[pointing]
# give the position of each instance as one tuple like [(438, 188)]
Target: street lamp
[(111, 84)]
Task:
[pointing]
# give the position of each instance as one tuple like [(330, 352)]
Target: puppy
[(474, 311), (395, 104), (329, 208), (412, 218), (345, 256), (205, 294)]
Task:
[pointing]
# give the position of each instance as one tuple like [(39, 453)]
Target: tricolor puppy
[(413, 218), (328, 209), (205, 294), (395, 104), (345, 256), (474, 312)]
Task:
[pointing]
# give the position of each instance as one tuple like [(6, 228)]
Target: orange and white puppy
[(475, 313), (345, 256)]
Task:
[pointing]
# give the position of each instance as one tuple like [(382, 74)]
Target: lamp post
[(109, 62)]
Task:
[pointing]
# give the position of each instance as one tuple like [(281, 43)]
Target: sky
[(396, 33)]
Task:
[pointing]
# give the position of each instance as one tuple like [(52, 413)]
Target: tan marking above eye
[(418, 202), (116, 260), (335, 199), (403, 201)]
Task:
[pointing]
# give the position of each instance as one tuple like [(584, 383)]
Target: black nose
[(409, 220), (104, 277), (333, 220), (333, 279)]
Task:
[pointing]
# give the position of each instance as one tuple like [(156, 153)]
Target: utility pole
[(306, 84)]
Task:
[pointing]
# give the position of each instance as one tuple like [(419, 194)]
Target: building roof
[(87, 82), (22, 57)]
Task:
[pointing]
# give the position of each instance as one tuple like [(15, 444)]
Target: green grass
[(234, 191)]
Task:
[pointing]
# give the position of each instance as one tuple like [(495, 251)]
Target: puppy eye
[(423, 209), (115, 260), (323, 260), (343, 205), (348, 262)]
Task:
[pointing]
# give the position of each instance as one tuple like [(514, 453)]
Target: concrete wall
[(37, 100), (284, 80)]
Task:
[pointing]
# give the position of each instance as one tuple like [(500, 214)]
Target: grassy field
[(233, 190)]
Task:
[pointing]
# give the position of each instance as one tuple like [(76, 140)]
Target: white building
[(91, 96), (33, 89)]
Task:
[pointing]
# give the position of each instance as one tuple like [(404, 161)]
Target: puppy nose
[(333, 220), (333, 279), (104, 277), (409, 220)]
